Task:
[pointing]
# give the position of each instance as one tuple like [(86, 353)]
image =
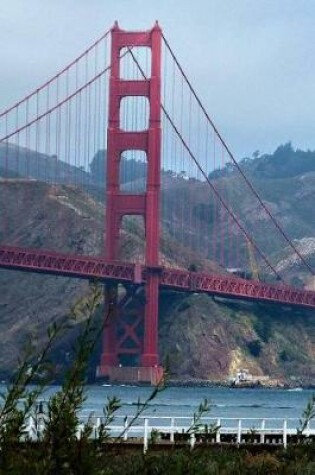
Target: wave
[(254, 406), (192, 406)]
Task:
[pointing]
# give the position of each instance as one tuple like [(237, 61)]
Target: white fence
[(167, 428)]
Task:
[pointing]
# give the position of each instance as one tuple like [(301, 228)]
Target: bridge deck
[(85, 267)]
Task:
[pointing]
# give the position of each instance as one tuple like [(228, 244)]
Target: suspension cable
[(248, 182), (60, 103), (56, 76)]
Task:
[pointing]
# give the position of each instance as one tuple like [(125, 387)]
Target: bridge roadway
[(86, 267)]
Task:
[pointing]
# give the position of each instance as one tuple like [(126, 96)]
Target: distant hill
[(285, 162), (131, 170), (28, 163)]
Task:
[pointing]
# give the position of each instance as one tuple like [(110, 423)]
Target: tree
[(98, 167)]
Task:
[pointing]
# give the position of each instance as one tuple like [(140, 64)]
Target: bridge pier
[(109, 357), (130, 342), (150, 355)]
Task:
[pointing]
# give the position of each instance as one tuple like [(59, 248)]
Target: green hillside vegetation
[(285, 162)]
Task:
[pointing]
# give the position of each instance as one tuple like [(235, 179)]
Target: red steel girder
[(86, 267), (228, 286), (63, 264)]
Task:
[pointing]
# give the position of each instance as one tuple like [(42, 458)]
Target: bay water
[(224, 403), (252, 404)]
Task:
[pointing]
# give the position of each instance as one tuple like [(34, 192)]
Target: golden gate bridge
[(127, 102)]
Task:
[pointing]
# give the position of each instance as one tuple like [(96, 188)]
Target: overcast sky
[(251, 61)]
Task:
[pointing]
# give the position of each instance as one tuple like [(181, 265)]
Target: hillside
[(221, 337), (201, 337)]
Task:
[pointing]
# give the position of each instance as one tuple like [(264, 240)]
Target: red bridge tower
[(133, 335)]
